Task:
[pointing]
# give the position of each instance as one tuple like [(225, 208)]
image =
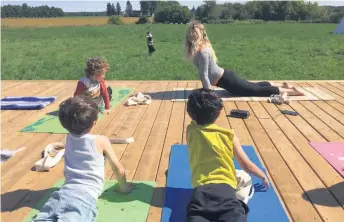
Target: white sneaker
[(245, 189), (139, 99)]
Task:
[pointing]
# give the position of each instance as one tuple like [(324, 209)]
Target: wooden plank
[(16, 182), (133, 153), (34, 147), (332, 89), (19, 116), (126, 123), (328, 133), (325, 89), (337, 85), (187, 119), (238, 125), (32, 116), (7, 84), (173, 136), (338, 104), (319, 93), (29, 117), (299, 208), (326, 118), (148, 163), (338, 116), (32, 90), (335, 104), (321, 168)]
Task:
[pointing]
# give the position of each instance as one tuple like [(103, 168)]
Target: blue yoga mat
[(25, 102), (264, 205)]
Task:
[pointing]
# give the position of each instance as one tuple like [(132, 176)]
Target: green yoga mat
[(110, 205), (50, 122)]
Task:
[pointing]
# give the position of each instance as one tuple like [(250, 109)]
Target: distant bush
[(236, 22), (143, 20), (116, 20)]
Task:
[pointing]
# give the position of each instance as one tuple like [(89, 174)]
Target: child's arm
[(246, 163), (105, 146), (80, 89), (105, 95)]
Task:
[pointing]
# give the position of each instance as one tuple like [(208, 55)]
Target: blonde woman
[(199, 50)]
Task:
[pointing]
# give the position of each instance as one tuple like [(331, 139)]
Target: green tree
[(118, 9), (113, 9), (172, 12), (128, 8), (144, 6), (108, 9)]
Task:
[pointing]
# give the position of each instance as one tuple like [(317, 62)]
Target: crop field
[(261, 51), (63, 21)]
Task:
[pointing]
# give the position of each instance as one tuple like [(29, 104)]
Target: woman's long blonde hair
[(196, 36)]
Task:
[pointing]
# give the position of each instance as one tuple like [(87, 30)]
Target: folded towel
[(25, 103)]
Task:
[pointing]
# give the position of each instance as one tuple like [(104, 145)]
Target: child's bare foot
[(295, 92)]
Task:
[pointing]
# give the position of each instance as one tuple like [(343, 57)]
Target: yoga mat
[(311, 94), (25, 102), (264, 205), (50, 122), (333, 152), (112, 206)]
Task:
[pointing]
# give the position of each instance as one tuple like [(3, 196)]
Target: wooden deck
[(309, 188)]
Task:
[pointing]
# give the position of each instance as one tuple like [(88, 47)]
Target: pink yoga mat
[(333, 153)]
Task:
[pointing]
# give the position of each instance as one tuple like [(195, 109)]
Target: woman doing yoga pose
[(199, 50)]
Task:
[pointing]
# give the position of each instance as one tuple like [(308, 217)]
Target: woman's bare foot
[(295, 92), (286, 85)]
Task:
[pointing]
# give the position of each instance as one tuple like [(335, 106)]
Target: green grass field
[(265, 51)]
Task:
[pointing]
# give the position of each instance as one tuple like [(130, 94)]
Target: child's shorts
[(216, 202), (68, 205)]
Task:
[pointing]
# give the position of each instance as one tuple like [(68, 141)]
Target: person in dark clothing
[(150, 45)]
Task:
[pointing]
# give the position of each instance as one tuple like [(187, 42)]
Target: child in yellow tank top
[(211, 153)]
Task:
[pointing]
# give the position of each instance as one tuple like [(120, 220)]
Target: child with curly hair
[(93, 85)]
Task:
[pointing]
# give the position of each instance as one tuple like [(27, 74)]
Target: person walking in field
[(151, 48), (199, 50)]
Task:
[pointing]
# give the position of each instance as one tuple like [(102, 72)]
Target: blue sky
[(92, 6)]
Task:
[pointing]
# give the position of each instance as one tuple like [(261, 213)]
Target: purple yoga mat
[(333, 152)]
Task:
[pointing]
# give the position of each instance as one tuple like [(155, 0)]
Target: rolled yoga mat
[(112, 206), (265, 205), (50, 122)]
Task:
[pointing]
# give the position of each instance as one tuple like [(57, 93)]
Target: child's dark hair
[(77, 114), (95, 66), (204, 106)]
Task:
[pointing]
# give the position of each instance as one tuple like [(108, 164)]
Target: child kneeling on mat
[(93, 84), (84, 166), (211, 153)]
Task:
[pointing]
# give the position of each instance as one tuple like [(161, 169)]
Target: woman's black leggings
[(241, 87)]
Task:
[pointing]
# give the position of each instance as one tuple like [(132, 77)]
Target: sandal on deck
[(139, 99), (279, 99), (51, 157)]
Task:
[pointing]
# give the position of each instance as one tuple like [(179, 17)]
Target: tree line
[(25, 11), (269, 11), (208, 12)]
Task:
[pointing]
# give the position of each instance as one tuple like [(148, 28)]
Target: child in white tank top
[(84, 166)]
